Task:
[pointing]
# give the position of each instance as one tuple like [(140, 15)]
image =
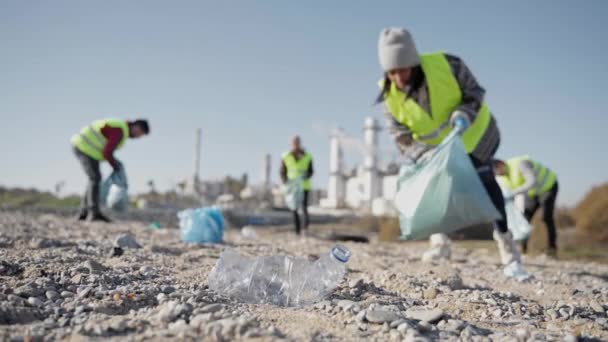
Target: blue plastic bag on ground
[(113, 191), (442, 193), (202, 225), (516, 221), (294, 194)]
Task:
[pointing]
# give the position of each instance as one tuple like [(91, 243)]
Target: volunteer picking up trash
[(538, 184), (427, 96)]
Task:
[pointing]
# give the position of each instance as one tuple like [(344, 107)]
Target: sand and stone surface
[(66, 280)]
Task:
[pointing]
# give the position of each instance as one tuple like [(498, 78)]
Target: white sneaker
[(516, 271)]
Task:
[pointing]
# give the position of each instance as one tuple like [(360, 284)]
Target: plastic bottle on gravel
[(278, 279)]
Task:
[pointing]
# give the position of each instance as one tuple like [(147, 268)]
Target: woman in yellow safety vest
[(426, 96), (524, 176)]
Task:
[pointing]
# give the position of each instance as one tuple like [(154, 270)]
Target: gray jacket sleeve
[(404, 140), (472, 92), (527, 170)]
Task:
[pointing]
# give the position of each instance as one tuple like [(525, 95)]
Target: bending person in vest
[(428, 95), (96, 143), (297, 163), (538, 184)]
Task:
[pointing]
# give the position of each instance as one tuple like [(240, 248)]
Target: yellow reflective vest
[(298, 168), (91, 142), (444, 98)]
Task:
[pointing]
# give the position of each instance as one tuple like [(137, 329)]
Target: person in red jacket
[(98, 142)]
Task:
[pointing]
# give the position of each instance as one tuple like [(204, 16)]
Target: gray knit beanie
[(396, 49)]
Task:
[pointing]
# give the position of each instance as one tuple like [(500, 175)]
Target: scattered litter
[(278, 279), (154, 225), (201, 225)]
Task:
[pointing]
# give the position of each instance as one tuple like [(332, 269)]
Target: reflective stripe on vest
[(444, 97), (91, 141), (297, 168), (545, 178)]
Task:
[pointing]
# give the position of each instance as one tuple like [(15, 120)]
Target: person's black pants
[(296, 216), (90, 201), (545, 201), (486, 175)]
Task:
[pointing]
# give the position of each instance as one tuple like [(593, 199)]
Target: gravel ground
[(65, 280)]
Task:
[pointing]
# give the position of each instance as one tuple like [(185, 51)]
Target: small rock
[(405, 326), (67, 294), (52, 295), (76, 279), (116, 252), (564, 314), (522, 334), (346, 304), (355, 283), (430, 293), (497, 313), (146, 270), (211, 308), (118, 325), (552, 314), (381, 316), (597, 307), (431, 316), (33, 301), (453, 325), (167, 289), (84, 293), (126, 241), (94, 267), (16, 299), (570, 338), (79, 309), (361, 316), (10, 269), (395, 324)]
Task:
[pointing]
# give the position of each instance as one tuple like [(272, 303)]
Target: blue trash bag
[(294, 193), (516, 221), (201, 225), (113, 191), (442, 193)]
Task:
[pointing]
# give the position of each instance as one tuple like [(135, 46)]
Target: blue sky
[(252, 73)]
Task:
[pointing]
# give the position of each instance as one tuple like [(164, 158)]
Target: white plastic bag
[(441, 193), (294, 194), (516, 221)]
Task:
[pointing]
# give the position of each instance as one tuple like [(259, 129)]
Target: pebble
[(67, 294), (33, 301), (94, 267), (146, 269), (126, 241), (52, 295), (381, 316), (346, 304), (167, 289), (431, 316), (597, 307), (356, 283), (361, 316), (552, 314), (430, 293), (564, 314), (211, 308)]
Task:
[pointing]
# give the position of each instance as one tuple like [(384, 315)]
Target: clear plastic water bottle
[(278, 279)]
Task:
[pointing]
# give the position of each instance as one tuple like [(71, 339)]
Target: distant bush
[(591, 214), (18, 198)]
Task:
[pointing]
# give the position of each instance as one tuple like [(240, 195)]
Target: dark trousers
[(90, 201), (547, 202), (296, 216), (486, 174)]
